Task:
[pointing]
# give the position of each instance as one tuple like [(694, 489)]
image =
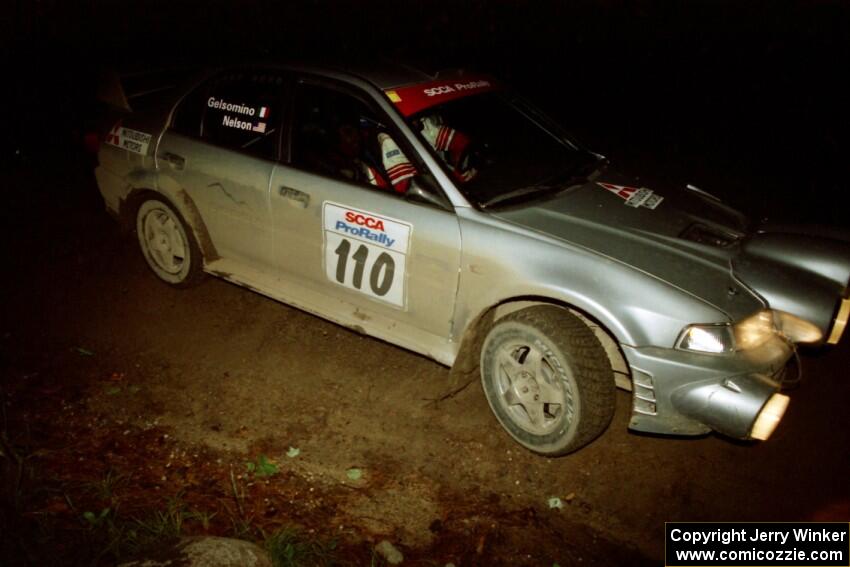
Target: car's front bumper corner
[(680, 393), (731, 406)]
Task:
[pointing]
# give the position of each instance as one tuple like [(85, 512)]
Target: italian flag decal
[(264, 112)]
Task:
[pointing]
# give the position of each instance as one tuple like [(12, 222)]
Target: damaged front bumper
[(685, 393)]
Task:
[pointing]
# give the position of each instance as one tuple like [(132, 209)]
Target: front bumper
[(684, 393)]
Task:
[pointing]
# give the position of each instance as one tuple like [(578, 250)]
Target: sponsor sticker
[(128, 139), (634, 196), (415, 98), (456, 87), (366, 252), (653, 201)]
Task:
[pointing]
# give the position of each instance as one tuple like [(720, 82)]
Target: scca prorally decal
[(369, 227), (366, 252), (416, 98), (454, 87), (128, 139), (634, 196), (373, 229)]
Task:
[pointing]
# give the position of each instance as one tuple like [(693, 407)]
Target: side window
[(338, 135), (189, 114), (242, 112)]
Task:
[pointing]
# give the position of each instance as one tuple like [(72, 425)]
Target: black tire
[(167, 243), (544, 353)]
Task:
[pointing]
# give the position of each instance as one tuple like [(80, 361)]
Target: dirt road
[(176, 389)]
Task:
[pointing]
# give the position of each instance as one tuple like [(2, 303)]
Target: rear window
[(239, 111)]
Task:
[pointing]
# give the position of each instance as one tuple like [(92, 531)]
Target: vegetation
[(290, 547), (102, 520)]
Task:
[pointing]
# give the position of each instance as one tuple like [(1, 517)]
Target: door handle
[(176, 161), (298, 198)]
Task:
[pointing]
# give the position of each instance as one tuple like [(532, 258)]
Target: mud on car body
[(448, 216)]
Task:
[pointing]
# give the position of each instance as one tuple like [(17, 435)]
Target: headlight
[(797, 330), (722, 338), (707, 338), (754, 331)]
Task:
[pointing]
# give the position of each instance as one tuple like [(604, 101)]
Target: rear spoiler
[(126, 91)]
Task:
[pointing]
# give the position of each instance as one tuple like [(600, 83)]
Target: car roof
[(380, 72), (383, 73), (387, 75)]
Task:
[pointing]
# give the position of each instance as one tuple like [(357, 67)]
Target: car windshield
[(495, 149)]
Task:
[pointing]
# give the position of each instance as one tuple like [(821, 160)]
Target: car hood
[(687, 240)]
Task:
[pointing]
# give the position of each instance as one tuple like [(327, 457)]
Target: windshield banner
[(410, 100)]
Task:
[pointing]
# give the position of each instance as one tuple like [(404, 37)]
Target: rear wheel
[(547, 379), (167, 243)]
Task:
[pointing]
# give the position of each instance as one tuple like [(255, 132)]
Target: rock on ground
[(206, 552), (389, 552)]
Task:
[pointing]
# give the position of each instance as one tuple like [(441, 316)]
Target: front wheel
[(168, 245), (547, 379)]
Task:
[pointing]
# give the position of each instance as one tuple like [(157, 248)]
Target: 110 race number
[(366, 252), (380, 276)]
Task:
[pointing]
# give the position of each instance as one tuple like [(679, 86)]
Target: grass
[(99, 519), (19, 475), (111, 535), (168, 523), (262, 468), (377, 560), (289, 547), (106, 487), (107, 534), (117, 537), (202, 516), (242, 528)]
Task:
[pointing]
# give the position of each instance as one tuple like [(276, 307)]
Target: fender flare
[(180, 199), (467, 358)]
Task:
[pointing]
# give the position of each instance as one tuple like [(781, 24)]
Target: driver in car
[(452, 146)]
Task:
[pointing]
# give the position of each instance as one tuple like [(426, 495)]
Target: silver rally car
[(448, 216)]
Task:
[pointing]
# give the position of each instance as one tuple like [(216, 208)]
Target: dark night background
[(745, 99)]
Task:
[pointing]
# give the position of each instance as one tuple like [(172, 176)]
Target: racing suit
[(452, 147), (450, 144)]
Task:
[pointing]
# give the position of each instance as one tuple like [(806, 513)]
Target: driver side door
[(366, 255)]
